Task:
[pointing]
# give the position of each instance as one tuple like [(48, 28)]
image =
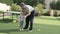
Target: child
[(22, 17)]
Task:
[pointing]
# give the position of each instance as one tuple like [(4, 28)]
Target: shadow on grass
[(6, 20), (9, 30)]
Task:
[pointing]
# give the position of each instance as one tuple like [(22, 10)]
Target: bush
[(55, 13), (39, 9), (1, 11), (58, 12), (36, 14), (15, 7), (47, 13)]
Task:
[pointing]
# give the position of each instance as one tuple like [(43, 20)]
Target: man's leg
[(31, 20), (31, 25), (27, 23)]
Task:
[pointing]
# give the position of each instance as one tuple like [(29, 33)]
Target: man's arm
[(28, 12)]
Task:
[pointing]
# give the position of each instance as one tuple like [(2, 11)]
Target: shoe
[(24, 28), (30, 30), (20, 29)]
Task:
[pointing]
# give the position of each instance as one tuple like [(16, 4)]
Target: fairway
[(46, 25)]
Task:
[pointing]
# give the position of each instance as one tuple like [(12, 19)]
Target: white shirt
[(30, 8), (27, 9)]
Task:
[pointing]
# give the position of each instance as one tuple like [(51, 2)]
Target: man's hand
[(25, 16)]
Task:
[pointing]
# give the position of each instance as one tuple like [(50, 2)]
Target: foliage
[(9, 2), (29, 2), (39, 9), (55, 5), (15, 7), (0, 10), (47, 13)]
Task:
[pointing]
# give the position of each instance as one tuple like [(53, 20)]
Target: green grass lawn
[(46, 25)]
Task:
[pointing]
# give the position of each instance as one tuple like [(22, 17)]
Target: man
[(29, 14)]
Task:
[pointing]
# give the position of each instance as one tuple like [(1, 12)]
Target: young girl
[(22, 17)]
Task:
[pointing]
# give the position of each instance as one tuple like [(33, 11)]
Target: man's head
[(22, 5)]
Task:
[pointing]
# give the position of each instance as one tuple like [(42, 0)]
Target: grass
[(46, 25)]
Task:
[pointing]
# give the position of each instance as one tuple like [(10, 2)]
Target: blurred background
[(47, 16)]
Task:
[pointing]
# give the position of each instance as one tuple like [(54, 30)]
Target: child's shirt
[(22, 17)]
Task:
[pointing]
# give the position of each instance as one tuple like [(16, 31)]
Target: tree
[(53, 5), (18, 1), (29, 2), (15, 7), (58, 5), (9, 2)]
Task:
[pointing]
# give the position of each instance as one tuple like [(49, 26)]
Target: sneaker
[(30, 30), (20, 29), (24, 28)]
